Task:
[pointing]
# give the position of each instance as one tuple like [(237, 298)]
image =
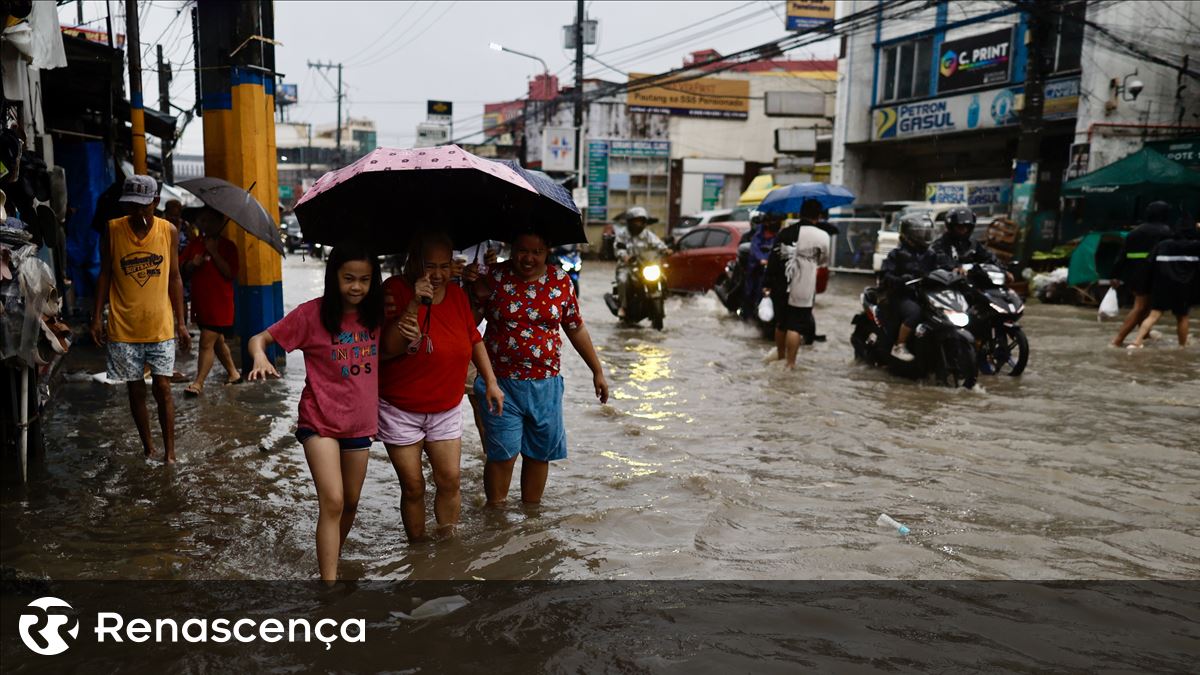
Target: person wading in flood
[(139, 279), (426, 346), (526, 302), (213, 263), (339, 407), (1174, 280), (1132, 268)]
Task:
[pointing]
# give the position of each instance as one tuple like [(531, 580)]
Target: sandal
[(193, 389), (239, 380)]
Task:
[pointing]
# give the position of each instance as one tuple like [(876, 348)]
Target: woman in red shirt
[(426, 347), (212, 262)]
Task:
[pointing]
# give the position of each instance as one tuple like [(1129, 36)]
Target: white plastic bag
[(434, 608), (766, 310), (1109, 307)]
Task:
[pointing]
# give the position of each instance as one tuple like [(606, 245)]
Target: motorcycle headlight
[(959, 319), (566, 265), (651, 272), (998, 279)]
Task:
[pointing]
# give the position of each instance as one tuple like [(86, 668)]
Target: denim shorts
[(532, 421), (127, 361), (346, 444)]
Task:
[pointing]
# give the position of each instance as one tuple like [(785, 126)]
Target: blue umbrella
[(789, 198), (556, 215)]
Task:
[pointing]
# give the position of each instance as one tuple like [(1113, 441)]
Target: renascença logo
[(43, 623)]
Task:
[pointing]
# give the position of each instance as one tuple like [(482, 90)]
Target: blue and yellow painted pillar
[(238, 109)]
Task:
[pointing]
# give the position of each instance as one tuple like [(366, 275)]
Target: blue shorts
[(532, 422), (345, 444), (127, 361)]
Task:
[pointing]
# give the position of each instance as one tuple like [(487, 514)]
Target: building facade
[(928, 106)]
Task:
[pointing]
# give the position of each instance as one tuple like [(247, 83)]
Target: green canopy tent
[(1114, 197), (1094, 257)]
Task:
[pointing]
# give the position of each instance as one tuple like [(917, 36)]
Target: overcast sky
[(398, 54)]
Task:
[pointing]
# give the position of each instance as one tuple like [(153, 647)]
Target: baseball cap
[(140, 190)]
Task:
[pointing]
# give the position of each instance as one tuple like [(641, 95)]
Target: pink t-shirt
[(341, 384)]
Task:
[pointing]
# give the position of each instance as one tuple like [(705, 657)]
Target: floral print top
[(523, 318)]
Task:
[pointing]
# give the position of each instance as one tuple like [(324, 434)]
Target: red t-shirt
[(431, 382), (212, 294), (522, 334), (341, 382)]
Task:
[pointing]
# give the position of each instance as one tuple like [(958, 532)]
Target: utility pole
[(164, 105), (1029, 144), (137, 116), (578, 122), (338, 132), (79, 12)]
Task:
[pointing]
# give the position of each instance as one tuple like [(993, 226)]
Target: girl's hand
[(424, 288), (408, 326), (470, 273), (495, 398), (262, 368)]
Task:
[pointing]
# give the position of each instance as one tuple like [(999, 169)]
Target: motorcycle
[(570, 262), (940, 343), (995, 312), (645, 294), (731, 291)]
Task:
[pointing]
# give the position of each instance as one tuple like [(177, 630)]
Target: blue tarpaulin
[(89, 173)]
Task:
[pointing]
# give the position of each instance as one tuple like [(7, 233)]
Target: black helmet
[(960, 216), (916, 231)]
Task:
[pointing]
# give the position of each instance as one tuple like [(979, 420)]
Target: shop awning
[(1143, 169)]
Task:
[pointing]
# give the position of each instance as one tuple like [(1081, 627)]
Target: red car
[(701, 255)]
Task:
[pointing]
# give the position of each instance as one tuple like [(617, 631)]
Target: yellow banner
[(802, 14), (703, 97)]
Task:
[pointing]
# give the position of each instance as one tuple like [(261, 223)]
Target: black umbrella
[(238, 205), (387, 195)]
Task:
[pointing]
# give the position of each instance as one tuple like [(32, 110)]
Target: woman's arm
[(494, 396), (258, 351), (581, 340)]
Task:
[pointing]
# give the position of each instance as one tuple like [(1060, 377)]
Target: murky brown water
[(709, 463)]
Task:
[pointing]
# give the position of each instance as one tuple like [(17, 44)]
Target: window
[(904, 70), (716, 238), (1069, 49), (719, 218), (691, 240)]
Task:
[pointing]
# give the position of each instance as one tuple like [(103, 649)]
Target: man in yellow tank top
[(139, 280)]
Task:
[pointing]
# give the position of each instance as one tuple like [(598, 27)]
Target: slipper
[(178, 377), (193, 390), (239, 380), (1131, 346)]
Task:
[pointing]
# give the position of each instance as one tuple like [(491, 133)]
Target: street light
[(500, 48)]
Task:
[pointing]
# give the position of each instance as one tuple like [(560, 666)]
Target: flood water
[(708, 463)]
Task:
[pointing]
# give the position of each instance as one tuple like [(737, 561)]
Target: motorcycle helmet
[(916, 231), (636, 219), (960, 223)]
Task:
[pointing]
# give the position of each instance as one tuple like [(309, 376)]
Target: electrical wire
[(379, 58), (382, 34)]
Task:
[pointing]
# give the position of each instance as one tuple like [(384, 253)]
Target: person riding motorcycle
[(902, 265), (955, 248), (629, 244), (766, 228)]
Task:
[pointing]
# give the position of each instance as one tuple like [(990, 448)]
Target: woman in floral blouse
[(525, 302)]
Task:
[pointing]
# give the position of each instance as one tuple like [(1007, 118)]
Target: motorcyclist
[(766, 228), (902, 265), (629, 245), (955, 248)]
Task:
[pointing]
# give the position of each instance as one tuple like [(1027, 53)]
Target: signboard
[(558, 149), (808, 14), (798, 139), (973, 193), (710, 194), (967, 112), (1185, 151), (439, 111), (975, 61), (287, 94), (430, 134), (286, 192), (641, 148), (597, 180), (1077, 163), (703, 97), (794, 104)]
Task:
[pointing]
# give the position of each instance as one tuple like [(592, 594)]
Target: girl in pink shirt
[(338, 334)]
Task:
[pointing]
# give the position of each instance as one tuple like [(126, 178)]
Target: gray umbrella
[(238, 205)]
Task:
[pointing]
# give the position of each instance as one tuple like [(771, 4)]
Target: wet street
[(708, 463)]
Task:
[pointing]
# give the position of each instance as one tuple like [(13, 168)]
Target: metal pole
[(1029, 143), (23, 442), (578, 89), (164, 105), (339, 114), (137, 116), (78, 12)]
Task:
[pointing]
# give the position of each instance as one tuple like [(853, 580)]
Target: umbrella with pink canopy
[(391, 193)]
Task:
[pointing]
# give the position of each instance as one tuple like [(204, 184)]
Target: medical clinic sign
[(975, 61), (969, 112)]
